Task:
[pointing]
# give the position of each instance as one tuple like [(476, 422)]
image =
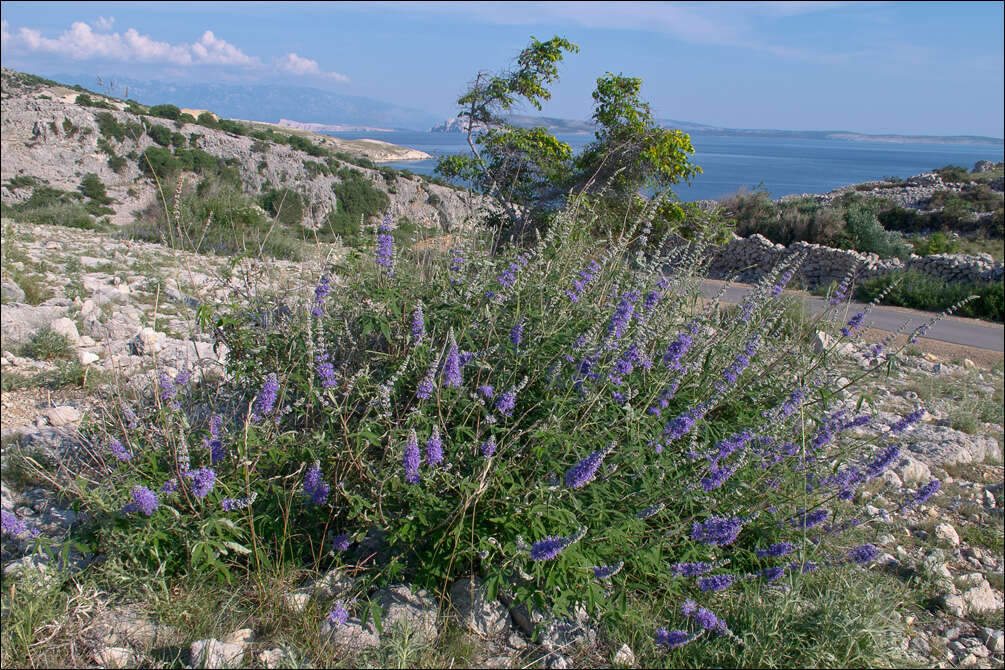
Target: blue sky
[(910, 68)]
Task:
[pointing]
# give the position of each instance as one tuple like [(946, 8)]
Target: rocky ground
[(130, 309)]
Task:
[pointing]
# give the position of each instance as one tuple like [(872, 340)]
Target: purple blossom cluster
[(907, 421), (384, 257), (321, 292), (341, 542), (583, 472), (325, 370), (452, 365), (704, 617), (144, 501), (339, 615), (584, 277), (120, 452), (506, 402), (456, 265), (622, 316), (202, 481), (516, 333), (11, 525), (716, 531), (672, 639), (675, 352), (853, 324), (427, 384), (265, 402), (231, 504), (692, 569), (418, 330), (315, 487), (410, 458), (715, 583), (488, 447), (434, 448), (776, 550)]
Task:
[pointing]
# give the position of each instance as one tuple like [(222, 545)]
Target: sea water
[(780, 166)]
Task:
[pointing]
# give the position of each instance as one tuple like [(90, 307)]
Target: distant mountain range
[(266, 102), (456, 125)]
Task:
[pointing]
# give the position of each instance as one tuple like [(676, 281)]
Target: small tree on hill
[(528, 172)]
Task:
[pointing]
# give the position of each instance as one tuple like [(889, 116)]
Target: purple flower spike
[(426, 386), (341, 542), (144, 501), (119, 451), (410, 459), (266, 400), (716, 531), (339, 615), (516, 333), (672, 639), (418, 324), (489, 446), (385, 246), (434, 448), (775, 550), (452, 366), (203, 480), (705, 618), (583, 472), (716, 582), (506, 402), (863, 554), (11, 525), (315, 486)]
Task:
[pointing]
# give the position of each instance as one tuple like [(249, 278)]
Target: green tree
[(528, 172)]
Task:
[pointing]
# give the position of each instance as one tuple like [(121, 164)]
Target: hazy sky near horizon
[(874, 67)]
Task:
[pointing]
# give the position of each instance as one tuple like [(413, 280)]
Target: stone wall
[(750, 258)]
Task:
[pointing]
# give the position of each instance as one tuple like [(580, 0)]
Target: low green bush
[(166, 112), (286, 205), (920, 291), (47, 345), (51, 206), (560, 420), (110, 128)]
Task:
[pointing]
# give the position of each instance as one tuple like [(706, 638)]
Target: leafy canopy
[(528, 171)]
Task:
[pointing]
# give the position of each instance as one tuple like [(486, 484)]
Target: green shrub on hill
[(920, 291), (166, 112), (286, 205), (110, 128), (159, 134), (52, 206), (356, 199)]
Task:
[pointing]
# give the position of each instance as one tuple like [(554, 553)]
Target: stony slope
[(47, 136)]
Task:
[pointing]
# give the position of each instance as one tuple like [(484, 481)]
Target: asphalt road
[(969, 332)]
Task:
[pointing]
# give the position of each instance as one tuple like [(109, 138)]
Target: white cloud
[(103, 23), (81, 42), (298, 65)]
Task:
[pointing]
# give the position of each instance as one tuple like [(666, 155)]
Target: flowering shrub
[(567, 421)]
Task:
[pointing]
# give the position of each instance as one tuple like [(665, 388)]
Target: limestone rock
[(624, 656), (11, 292), (352, 634), (481, 616), (414, 610), (213, 653), (62, 416), (116, 657), (947, 535), (67, 328)]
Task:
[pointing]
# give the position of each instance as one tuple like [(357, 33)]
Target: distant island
[(572, 126)]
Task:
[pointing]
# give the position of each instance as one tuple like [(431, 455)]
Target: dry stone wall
[(750, 258)]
